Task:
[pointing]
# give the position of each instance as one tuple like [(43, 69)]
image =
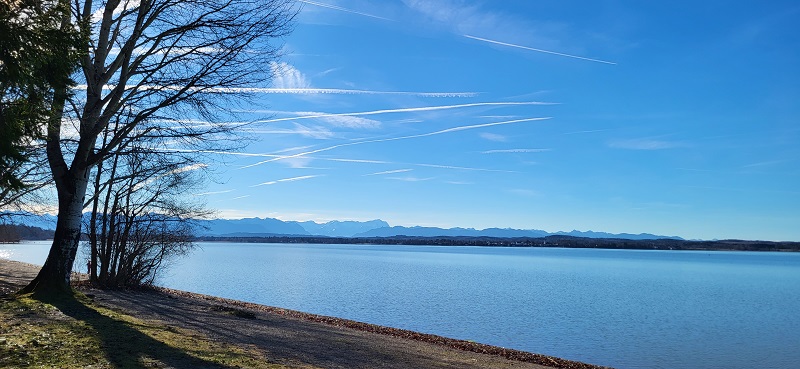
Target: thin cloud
[(449, 130), (339, 8), (363, 161), (296, 91), (171, 51), (389, 172), (189, 168), (234, 153), (347, 160), (464, 168), (340, 91), (121, 7), (406, 121), (507, 151), (493, 137), (586, 131), (644, 144), (402, 110), (285, 75), (316, 132), (410, 179), (344, 121), (498, 116), (765, 163), (293, 179), (299, 162), (438, 166), (537, 50), (213, 193), (328, 71), (296, 148), (240, 197)]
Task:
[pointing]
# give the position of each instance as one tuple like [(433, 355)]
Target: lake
[(622, 308)]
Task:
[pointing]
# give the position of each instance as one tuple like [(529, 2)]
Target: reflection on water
[(34, 252)]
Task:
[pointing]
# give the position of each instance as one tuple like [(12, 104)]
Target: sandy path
[(298, 339)]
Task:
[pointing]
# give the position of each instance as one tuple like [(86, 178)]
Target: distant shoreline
[(549, 241)]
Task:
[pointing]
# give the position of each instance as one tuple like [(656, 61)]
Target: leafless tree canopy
[(155, 66), (141, 217), (159, 76)]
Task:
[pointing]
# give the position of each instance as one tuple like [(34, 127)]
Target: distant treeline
[(549, 241), (12, 233)]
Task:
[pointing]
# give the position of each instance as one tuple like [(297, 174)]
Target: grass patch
[(76, 333)]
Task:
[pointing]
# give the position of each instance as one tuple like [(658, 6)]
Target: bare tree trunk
[(145, 69), (93, 226), (71, 182), (93, 240), (55, 274)]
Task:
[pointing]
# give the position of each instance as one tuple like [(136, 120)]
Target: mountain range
[(263, 227)]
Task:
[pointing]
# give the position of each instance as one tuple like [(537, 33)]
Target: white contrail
[(212, 193), (286, 180), (403, 110), (537, 50), (340, 91), (454, 129), (296, 148), (339, 8), (465, 168), (363, 161), (414, 164), (344, 160), (270, 90), (389, 172), (216, 152)]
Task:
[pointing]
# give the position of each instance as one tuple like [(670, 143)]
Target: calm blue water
[(627, 309)]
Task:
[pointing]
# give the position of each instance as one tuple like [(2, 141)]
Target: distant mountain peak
[(350, 228)]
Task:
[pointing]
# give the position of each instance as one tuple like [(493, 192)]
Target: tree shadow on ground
[(10, 283), (123, 344)]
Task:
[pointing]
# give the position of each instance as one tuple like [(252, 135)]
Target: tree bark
[(54, 277), (71, 182)]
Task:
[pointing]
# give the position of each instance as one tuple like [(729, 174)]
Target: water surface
[(622, 308)]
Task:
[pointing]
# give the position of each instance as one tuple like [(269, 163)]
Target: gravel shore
[(299, 339)]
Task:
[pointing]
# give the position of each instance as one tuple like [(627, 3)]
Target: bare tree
[(153, 68), (141, 215)]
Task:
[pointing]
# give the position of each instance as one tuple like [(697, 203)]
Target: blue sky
[(676, 118)]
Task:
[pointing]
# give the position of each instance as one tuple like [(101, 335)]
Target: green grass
[(72, 332)]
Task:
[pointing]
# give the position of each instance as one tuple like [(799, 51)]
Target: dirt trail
[(295, 338)]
